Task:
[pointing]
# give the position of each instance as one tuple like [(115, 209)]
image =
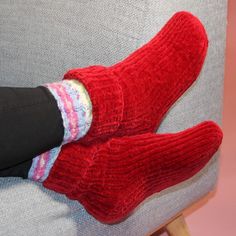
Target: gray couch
[(41, 39)]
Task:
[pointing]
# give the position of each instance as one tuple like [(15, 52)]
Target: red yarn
[(112, 178), (132, 96)]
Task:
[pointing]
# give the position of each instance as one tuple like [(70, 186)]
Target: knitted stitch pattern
[(75, 107), (76, 112), (112, 178), (132, 96)]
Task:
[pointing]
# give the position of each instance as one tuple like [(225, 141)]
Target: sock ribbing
[(42, 164), (75, 106), (112, 178)]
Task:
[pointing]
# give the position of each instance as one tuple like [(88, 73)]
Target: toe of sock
[(213, 133), (193, 22), (190, 31)]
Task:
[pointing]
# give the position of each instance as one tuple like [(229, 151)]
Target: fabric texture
[(42, 164), (40, 41), (111, 179), (75, 107), (132, 96)]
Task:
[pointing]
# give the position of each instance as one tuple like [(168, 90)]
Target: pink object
[(41, 166)]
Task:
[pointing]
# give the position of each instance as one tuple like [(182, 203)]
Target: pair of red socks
[(121, 161)]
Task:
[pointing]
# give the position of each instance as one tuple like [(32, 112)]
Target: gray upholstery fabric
[(40, 40)]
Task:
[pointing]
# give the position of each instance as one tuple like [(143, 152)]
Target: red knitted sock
[(112, 178), (132, 96)]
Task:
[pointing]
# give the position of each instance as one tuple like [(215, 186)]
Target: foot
[(111, 179), (132, 96)]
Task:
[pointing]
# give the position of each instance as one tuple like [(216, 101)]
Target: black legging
[(19, 170), (30, 124)]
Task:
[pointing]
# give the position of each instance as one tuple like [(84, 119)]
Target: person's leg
[(30, 123), (34, 120), (19, 170)]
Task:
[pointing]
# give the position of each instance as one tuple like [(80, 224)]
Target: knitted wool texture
[(132, 96), (112, 178)]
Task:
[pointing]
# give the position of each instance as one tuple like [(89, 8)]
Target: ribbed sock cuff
[(42, 164), (76, 109)]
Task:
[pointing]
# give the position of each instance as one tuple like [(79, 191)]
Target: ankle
[(75, 106)]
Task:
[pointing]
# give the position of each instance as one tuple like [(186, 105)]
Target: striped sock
[(42, 164), (76, 110)]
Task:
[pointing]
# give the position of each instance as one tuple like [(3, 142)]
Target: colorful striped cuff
[(42, 165), (76, 109)]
